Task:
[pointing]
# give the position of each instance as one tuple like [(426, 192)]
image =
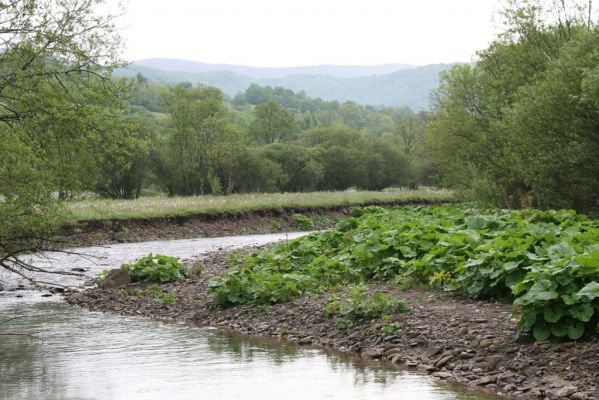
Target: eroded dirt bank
[(453, 339), (260, 221)]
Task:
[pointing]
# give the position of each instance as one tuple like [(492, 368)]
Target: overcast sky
[(278, 33)]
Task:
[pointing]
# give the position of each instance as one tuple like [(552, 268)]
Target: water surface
[(80, 354)]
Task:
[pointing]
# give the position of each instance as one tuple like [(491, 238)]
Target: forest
[(191, 140)]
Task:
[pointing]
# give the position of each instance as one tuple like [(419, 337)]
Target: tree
[(272, 123), (196, 143), (519, 126), (64, 49)]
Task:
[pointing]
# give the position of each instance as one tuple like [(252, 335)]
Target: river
[(78, 354)]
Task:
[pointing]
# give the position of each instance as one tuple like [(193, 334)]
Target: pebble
[(564, 392), (432, 351), (443, 361)]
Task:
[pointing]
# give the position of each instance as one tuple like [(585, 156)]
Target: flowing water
[(77, 354)]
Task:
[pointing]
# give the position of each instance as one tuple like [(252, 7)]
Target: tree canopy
[(55, 87), (519, 127)]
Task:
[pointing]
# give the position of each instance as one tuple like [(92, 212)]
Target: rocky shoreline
[(457, 340)]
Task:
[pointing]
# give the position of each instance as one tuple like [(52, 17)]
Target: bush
[(357, 303), (302, 222), (156, 269)]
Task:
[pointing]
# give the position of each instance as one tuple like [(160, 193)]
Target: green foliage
[(201, 145), (302, 222), (272, 123), (356, 303), (55, 66), (168, 299), (133, 292), (155, 291), (390, 329), (514, 129), (159, 295), (100, 278), (547, 262), (274, 225), (156, 269), (196, 271)]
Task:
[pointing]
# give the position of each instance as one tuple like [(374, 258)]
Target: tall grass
[(149, 207)]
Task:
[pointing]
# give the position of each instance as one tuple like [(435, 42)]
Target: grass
[(156, 207)]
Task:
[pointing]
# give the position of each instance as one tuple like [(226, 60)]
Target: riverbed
[(79, 354)]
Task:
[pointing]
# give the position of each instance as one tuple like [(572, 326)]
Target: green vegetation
[(155, 268), (302, 222), (356, 303), (159, 295), (546, 262), (519, 127), (57, 102), (149, 207)]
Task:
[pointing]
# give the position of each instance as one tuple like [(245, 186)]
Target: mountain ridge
[(340, 71), (405, 87)]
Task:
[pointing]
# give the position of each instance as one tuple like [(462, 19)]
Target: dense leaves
[(519, 127), (356, 303), (55, 88), (155, 268), (546, 262)]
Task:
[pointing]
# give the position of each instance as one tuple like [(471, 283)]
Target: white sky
[(276, 33)]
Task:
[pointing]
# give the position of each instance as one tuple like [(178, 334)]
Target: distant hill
[(407, 86), (340, 71)]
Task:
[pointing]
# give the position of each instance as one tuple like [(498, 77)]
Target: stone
[(391, 352), (426, 368), (372, 353), (491, 362), (305, 340), (432, 351), (443, 361), (442, 375), (485, 380), (396, 359), (564, 392), (117, 278)]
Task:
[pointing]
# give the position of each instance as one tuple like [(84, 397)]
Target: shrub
[(357, 303), (302, 222), (156, 269)]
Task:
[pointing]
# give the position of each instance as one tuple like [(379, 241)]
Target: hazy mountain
[(408, 87), (341, 71), (404, 87)]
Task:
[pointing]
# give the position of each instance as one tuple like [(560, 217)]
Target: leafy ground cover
[(545, 262), (156, 268)]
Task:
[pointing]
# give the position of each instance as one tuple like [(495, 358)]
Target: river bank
[(213, 224), (471, 343)]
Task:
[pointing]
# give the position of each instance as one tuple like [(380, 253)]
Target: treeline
[(521, 126), (186, 140)]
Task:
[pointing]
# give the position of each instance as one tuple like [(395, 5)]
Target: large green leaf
[(582, 311), (591, 290), (541, 332), (542, 290), (575, 330), (553, 313)]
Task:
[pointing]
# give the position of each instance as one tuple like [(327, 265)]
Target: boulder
[(117, 278)]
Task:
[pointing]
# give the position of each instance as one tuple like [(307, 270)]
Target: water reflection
[(87, 355)]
